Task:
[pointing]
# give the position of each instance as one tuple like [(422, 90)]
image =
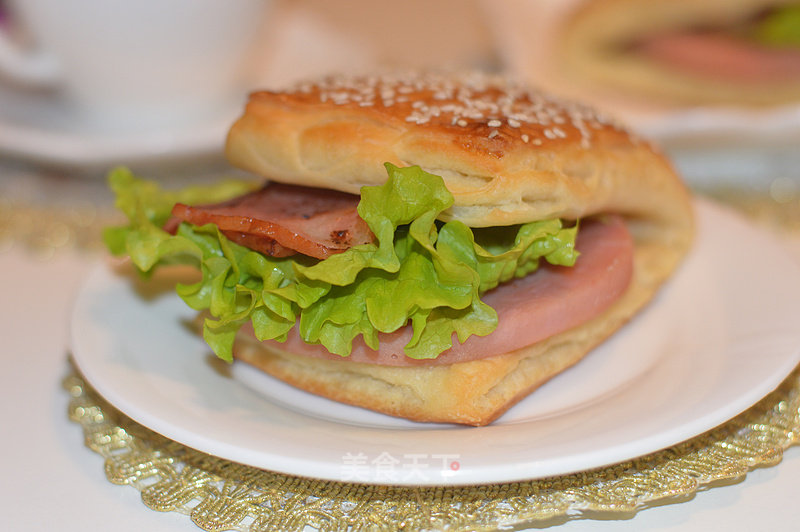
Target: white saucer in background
[(42, 128), (713, 146)]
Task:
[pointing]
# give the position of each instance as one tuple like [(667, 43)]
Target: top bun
[(508, 154)]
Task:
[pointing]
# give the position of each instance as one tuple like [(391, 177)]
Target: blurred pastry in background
[(716, 82), (741, 52)]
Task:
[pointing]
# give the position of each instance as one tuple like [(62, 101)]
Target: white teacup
[(135, 63)]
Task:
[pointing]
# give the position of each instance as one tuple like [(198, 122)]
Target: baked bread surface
[(509, 155)]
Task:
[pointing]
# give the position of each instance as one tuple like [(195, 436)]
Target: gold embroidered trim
[(48, 230), (220, 495)]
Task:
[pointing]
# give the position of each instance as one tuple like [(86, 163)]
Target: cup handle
[(29, 67)]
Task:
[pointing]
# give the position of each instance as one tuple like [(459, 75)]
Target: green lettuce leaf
[(419, 271), (780, 28)]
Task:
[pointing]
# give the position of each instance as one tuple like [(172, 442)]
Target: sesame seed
[(509, 108)]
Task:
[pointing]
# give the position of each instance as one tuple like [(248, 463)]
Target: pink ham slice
[(715, 55), (552, 300), (281, 220)]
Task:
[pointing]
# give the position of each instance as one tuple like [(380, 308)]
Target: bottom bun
[(471, 393)]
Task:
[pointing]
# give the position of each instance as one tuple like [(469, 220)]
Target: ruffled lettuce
[(420, 271), (780, 28)]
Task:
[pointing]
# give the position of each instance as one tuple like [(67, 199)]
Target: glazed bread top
[(508, 153)]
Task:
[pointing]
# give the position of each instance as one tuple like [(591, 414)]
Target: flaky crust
[(529, 157), (594, 42)]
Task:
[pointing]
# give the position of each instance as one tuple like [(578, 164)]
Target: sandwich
[(727, 52), (429, 246)]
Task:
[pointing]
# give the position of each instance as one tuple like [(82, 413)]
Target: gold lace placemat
[(221, 495)]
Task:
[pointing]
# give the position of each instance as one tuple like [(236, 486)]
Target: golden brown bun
[(508, 154), (593, 49), (547, 159)]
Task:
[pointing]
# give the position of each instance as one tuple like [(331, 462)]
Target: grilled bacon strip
[(282, 220)]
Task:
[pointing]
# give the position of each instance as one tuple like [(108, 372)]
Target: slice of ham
[(281, 220), (551, 300), (716, 55)]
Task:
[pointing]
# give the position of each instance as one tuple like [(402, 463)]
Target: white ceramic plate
[(42, 127), (720, 335)]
